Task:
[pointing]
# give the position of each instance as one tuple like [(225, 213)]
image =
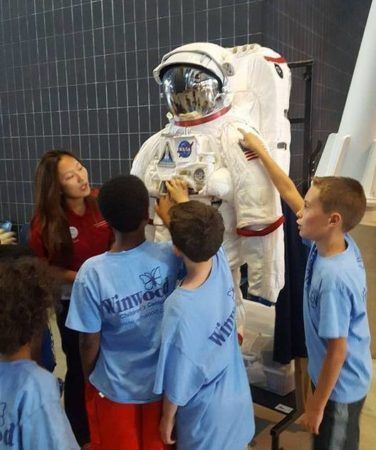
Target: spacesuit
[(201, 145)]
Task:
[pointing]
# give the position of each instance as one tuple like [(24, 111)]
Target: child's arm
[(177, 193), (89, 350), (66, 275), (167, 421), (330, 370), (281, 181), (178, 190), (162, 208)]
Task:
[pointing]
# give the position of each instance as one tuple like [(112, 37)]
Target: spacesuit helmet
[(194, 78), (190, 89)]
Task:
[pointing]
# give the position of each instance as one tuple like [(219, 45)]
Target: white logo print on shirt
[(73, 232)]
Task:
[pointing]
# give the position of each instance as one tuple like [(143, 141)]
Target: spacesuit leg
[(266, 264)]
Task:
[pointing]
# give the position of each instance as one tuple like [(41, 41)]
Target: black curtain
[(289, 339)]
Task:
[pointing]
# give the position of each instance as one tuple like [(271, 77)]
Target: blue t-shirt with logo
[(334, 307), (200, 366), (121, 294), (31, 415)]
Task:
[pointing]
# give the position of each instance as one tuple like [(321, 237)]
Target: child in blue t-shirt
[(117, 306), (200, 368), (31, 416), (335, 313)]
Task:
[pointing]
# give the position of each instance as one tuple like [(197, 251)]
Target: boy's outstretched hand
[(177, 193), (178, 190), (285, 186), (251, 142)]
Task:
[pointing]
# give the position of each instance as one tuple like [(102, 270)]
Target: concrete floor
[(294, 438)]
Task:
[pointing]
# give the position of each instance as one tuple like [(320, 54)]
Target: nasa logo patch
[(185, 149)]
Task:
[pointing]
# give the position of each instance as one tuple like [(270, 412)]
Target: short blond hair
[(343, 195)]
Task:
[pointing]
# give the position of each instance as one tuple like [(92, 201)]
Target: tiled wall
[(77, 73)]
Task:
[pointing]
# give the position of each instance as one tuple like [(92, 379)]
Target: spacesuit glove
[(178, 190), (7, 237), (251, 142)]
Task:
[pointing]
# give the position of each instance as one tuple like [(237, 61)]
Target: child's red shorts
[(123, 426)]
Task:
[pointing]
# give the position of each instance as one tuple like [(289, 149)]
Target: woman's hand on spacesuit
[(251, 142), (178, 190)]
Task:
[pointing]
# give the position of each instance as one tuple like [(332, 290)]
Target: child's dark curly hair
[(28, 292), (124, 203)]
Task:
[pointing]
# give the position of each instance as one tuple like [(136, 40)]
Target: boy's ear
[(335, 219)]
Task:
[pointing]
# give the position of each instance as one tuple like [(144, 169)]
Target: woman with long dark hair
[(67, 229)]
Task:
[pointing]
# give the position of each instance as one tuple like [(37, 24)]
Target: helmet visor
[(190, 89)]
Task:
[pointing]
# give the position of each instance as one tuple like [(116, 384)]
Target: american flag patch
[(249, 154)]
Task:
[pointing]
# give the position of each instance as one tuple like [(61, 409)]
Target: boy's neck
[(197, 273), (331, 245), (23, 352), (127, 241)]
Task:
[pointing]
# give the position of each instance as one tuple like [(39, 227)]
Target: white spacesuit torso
[(206, 153)]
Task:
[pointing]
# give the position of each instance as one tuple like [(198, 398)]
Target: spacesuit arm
[(145, 155), (220, 185), (281, 181)]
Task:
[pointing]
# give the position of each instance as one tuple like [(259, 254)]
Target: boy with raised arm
[(335, 314)]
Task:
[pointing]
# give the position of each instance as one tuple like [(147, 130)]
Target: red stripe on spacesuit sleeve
[(267, 230), (280, 59)]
